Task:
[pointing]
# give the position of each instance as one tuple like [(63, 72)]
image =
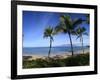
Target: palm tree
[(67, 26), (80, 32), (48, 33)]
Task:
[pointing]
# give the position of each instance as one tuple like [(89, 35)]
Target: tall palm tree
[(48, 33), (80, 32), (67, 25)]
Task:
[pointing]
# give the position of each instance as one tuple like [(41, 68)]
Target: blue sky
[(34, 24)]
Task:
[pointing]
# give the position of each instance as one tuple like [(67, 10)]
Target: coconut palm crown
[(80, 32), (67, 25)]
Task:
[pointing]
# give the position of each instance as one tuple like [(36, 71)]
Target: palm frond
[(48, 32), (66, 19), (74, 32), (78, 36), (78, 22), (81, 31), (61, 28), (85, 33)]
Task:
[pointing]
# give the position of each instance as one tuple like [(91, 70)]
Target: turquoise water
[(54, 50)]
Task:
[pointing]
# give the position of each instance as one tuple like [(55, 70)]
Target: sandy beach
[(55, 56)]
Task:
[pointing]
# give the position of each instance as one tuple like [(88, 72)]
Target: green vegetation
[(48, 33), (66, 26), (76, 60), (80, 32)]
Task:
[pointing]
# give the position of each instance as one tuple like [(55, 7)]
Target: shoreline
[(60, 55)]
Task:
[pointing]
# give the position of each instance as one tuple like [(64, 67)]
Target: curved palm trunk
[(82, 44), (50, 47), (71, 43)]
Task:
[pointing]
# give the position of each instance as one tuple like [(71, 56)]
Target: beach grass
[(76, 60)]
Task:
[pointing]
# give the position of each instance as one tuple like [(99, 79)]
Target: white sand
[(55, 56)]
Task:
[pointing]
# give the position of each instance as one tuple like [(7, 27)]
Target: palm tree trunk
[(82, 45), (50, 47), (71, 43)]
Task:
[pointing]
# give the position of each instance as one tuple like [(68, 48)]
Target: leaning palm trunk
[(71, 43), (50, 48), (82, 45)]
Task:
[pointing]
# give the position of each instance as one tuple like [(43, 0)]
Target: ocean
[(43, 51)]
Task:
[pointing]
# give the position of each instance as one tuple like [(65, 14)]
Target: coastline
[(55, 56)]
